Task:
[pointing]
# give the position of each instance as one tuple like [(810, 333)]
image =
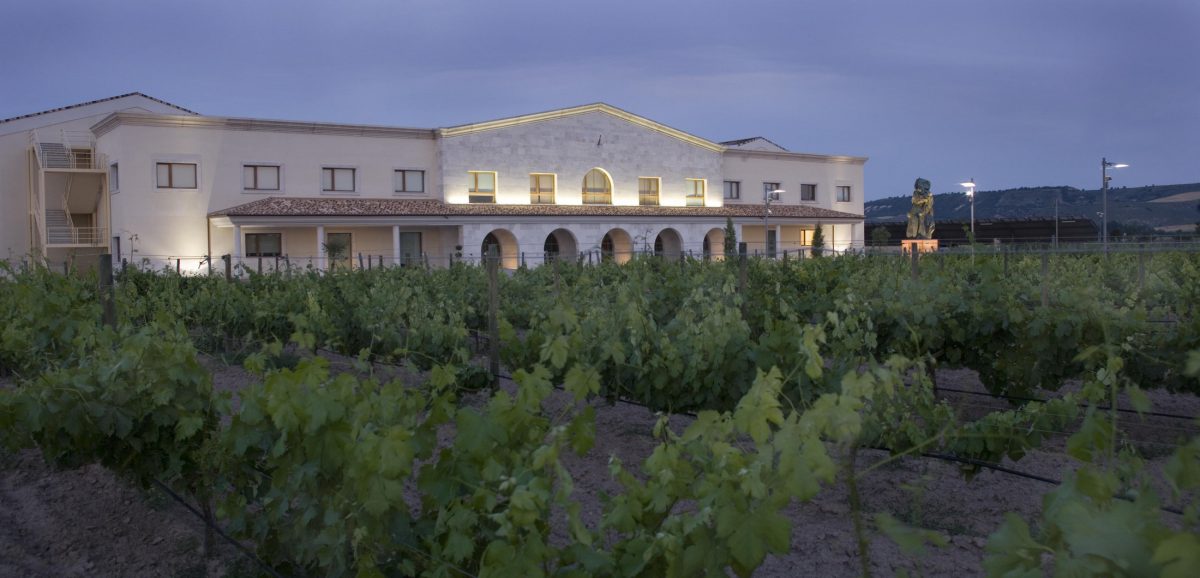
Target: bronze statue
[(920, 217)]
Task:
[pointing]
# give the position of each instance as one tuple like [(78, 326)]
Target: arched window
[(606, 247), (550, 247), (597, 188)]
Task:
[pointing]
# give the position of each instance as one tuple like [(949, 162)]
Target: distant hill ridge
[(1160, 206)]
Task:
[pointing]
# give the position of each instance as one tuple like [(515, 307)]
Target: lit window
[(696, 189), (541, 188), (648, 190), (337, 179), (114, 177), (408, 181), (733, 189), (260, 177), (808, 192), (264, 244), (481, 186), (176, 175), (843, 194), (597, 189)]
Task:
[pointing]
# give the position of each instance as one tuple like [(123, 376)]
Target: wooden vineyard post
[(1005, 252), (916, 268), (742, 268), (1141, 269), (1045, 279), (360, 261), (106, 290), (493, 274), (228, 266), (260, 263)]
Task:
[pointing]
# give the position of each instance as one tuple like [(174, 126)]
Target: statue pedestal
[(918, 245)]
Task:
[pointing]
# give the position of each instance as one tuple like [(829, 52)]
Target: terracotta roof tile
[(340, 207)]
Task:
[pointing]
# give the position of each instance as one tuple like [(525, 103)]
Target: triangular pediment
[(578, 110)]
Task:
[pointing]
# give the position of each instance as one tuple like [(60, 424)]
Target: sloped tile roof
[(342, 207)]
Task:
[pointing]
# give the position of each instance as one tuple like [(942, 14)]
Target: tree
[(818, 241), (880, 236), (730, 238)]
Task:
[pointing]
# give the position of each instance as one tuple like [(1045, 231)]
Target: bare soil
[(87, 522)]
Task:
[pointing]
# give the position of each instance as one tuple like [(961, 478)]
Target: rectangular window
[(648, 188), (769, 188), (114, 178), (808, 192), (843, 194), (260, 177), (696, 188), (176, 175), (733, 189), (481, 186), (264, 244), (541, 188), (408, 181), (339, 180)]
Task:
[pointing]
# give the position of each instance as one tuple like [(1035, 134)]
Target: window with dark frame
[(264, 244), (733, 189), (696, 189), (176, 175), (114, 177), (341, 180), (541, 188), (769, 188), (808, 192), (481, 187), (408, 181), (648, 190), (843, 193), (260, 177)]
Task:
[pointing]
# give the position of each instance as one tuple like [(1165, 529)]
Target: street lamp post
[(1104, 178), (769, 196), (970, 185)]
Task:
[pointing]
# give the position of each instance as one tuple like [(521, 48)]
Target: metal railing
[(91, 236)]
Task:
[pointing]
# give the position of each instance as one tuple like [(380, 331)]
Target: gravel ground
[(87, 522)]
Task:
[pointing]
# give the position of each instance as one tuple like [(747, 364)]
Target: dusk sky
[(1013, 93)]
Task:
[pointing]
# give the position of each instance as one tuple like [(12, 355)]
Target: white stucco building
[(153, 182)]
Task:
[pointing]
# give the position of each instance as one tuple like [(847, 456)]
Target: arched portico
[(668, 244), (714, 244), (506, 243), (560, 244), (616, 245)]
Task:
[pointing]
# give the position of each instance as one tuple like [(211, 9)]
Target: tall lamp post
[(970, 185), (769, 196), (1104, 166)]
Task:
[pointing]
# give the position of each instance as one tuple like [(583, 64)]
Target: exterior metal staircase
[(58, 228), (55, 155)]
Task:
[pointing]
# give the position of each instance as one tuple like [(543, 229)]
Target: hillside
[(1160, 206)]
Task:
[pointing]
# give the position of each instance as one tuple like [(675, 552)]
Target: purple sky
[(1010, 92)]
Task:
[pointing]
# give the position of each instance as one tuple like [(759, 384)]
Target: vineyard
[(391, 427)]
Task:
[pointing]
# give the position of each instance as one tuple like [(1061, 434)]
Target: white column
[(395, 244), (320, 247), (237, 248)]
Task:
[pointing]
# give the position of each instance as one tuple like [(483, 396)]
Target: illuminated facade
[(170, 187)]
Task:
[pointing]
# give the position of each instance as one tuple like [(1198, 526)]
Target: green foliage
[(731, 241), (818, 241)]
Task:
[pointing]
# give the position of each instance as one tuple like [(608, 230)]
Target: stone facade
[(571, 146)]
